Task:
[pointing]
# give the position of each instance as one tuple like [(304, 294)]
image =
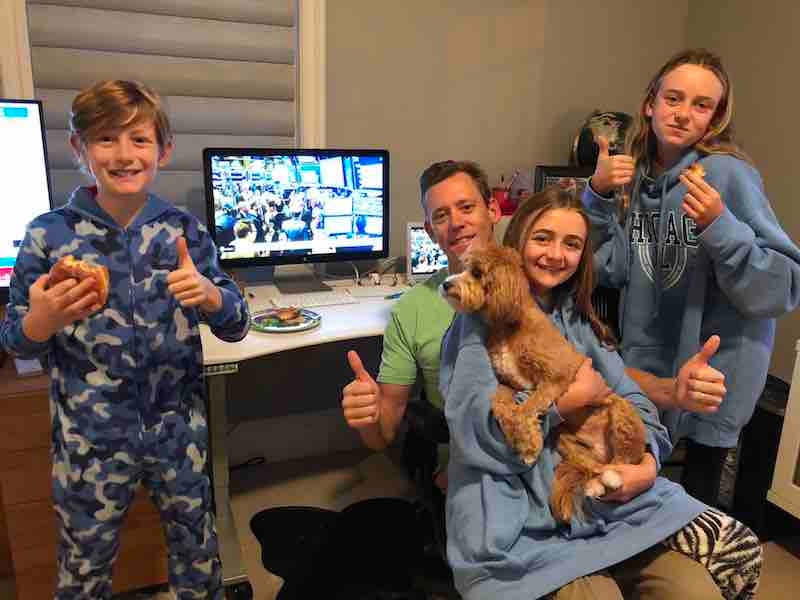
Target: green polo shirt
[(412, 341)]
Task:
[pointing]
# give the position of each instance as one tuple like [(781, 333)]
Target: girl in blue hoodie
[(649, 539), (697, 256)]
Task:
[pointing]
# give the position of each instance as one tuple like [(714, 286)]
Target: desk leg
[(233, 572)]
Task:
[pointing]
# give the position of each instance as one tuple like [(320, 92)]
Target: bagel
[(69, 267)]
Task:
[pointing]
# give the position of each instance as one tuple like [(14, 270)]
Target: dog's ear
[(506, 296)]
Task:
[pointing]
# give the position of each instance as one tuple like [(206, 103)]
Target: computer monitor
[(24, 178), (423, 256), (278, 206)]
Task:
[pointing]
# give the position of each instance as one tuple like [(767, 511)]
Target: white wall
[(759, 45), (506, 83)]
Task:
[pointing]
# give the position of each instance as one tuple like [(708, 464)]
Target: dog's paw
[(611, 480)]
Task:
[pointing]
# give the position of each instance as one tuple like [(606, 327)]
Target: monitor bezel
[(4, 290), (296, 259)]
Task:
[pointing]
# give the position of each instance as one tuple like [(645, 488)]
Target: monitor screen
[(424, 256), (282, 206), (24, 178)]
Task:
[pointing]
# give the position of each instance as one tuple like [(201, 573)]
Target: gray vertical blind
[(225, 69)]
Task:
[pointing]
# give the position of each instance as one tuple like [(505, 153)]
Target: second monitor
[(269, 207)]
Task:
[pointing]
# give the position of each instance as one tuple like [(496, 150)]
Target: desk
[(222, 360)]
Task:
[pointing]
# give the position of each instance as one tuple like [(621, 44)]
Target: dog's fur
[(529, 354)]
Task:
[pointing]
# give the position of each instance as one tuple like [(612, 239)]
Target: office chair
[(392, 542), (605, 301), (426, 428)]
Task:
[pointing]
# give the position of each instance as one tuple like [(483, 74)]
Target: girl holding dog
[(697, 256), (639, 541)]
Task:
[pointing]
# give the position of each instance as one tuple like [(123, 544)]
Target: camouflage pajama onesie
[(127, 391)]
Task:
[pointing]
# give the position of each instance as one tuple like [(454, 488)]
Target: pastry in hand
[(69, 267), (697, 169)]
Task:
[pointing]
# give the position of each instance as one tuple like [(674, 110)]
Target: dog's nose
[(446, 285)]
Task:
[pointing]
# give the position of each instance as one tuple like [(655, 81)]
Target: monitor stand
[(298, 280), (289, 279)]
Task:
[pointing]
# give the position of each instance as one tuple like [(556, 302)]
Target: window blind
[(226, 71)]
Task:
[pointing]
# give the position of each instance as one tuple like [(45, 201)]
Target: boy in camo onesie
[(127, 391)]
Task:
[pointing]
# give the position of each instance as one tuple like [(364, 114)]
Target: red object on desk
[(501, 195)]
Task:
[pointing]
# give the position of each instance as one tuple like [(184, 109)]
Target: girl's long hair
[(581, 284), (641, 141)]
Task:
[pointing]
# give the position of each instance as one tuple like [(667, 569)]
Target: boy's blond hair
[(114, 104)]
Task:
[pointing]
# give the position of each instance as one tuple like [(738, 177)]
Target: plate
[(268, 322)]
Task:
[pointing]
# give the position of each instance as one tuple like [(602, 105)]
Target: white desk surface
[(366, 318)]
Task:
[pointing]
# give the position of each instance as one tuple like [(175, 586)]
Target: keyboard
[(312, 299)]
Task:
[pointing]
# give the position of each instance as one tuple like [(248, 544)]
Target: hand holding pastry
[(69, 267), (701, 202), (189, 286), (54, 304)]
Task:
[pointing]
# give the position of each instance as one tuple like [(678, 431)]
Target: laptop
[(423, 255)]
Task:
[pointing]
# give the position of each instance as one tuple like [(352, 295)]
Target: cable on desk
[(250, 462)]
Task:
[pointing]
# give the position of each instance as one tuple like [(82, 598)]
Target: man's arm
[(392, 402)]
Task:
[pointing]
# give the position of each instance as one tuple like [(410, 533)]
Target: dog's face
[(492, 283)]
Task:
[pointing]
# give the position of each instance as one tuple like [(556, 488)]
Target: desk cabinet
[(27, 521), (785, 490)]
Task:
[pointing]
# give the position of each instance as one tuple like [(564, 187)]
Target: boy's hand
[(701, 202), (588, 389), (189, 287), (52, 309), (611, 172)]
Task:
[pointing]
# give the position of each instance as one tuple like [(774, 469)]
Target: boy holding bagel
[(111, 289)]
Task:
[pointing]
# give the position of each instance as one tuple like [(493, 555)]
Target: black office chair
[(370, 550), (605, 301), (393, 544), (426, 429)]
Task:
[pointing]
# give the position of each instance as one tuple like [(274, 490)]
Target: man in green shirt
[(459, 209)]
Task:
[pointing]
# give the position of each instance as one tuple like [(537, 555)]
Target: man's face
[(456, 216)]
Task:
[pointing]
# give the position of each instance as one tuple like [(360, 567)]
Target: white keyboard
[(312, 299)]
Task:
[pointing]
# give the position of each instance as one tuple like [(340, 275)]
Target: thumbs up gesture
[(611, 172), (360, 397), (700, 387), (189, 286)]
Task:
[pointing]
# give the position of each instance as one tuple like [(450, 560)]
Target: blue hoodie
[(502, 540), (732, 279), (140, 356)]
